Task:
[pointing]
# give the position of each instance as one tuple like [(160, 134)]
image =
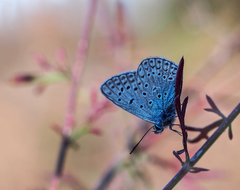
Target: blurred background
[(206, 33)]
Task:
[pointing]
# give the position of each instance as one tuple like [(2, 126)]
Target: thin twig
[(203, 131), (186, 168), (108, 176), (72, 100)]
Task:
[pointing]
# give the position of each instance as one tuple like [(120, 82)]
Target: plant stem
[(72, 100), (185, 169)]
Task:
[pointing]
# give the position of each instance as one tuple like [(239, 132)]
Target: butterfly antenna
[(140, 140)]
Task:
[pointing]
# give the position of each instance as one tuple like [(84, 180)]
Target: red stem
[(72, 100), (77, 68)]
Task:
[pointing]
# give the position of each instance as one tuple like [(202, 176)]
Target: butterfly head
[(158, 128)]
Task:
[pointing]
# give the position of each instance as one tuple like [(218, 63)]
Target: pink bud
[(24, 78), (96, 131)]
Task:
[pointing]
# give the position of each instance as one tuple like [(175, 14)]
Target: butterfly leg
[(170, 127)]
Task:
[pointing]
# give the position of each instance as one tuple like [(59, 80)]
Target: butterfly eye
[(158, 129)]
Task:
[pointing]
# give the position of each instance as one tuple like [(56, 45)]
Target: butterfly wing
[(144, 91), (123, 91), (158, 76)]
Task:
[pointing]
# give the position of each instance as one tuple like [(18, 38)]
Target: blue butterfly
[(148, 92)]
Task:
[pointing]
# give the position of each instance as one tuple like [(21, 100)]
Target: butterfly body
[(148, 92)]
